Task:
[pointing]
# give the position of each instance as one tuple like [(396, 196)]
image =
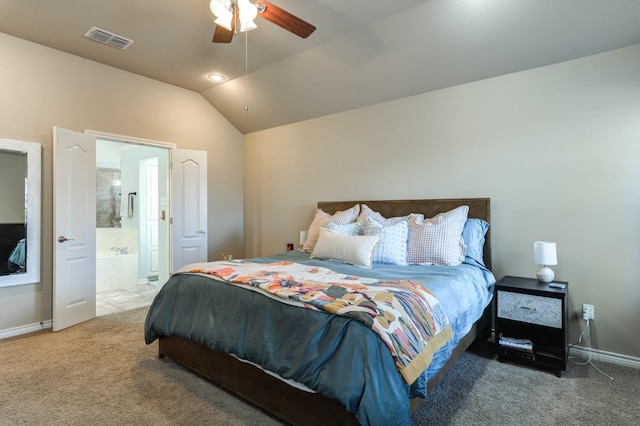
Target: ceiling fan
[(243, 12)]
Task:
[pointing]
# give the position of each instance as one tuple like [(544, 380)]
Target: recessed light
[(217, 77)]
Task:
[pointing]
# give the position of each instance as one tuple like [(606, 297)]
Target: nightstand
[(531, 323)]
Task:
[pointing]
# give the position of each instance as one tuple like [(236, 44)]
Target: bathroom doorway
[(74, 266), (132, 230)]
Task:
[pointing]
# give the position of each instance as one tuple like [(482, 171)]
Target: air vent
[(109, 38)]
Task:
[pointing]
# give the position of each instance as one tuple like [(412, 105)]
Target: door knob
[(202, 231), (62, 239)]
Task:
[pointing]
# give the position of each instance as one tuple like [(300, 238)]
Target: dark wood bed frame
[(296, 406)]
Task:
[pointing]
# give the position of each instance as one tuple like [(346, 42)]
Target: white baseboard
[(604, 356), (24, 329)]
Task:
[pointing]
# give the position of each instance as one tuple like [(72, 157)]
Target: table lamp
[(303, 238), (544, 253)]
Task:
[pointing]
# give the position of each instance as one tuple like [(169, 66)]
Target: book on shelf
[(512, 342), (520, 354)]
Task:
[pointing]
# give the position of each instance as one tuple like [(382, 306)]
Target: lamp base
[(545, 274)]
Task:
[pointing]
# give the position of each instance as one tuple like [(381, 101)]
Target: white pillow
[(354, 249), (320, 220), (393, 241), (438, 241)]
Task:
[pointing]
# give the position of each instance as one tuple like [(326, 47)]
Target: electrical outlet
[(588, 311)]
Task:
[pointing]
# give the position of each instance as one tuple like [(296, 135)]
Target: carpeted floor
[(101, 373), (479, 390)]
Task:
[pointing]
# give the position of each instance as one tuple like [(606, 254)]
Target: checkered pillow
[(437, 241), (322, 218), (392, 248), (365, 212), (353, 228)]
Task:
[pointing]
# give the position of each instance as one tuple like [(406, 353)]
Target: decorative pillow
[(473, 234), (320, 220), (393, 241), (365, 212), (437, 241), (353, 228), (354, 249)]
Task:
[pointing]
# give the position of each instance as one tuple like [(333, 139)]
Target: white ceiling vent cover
[(109, 38)]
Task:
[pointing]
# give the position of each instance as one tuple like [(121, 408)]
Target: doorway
[(74, 217), (132, 243)]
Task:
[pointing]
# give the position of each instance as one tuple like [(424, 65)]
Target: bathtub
[(116, 271)]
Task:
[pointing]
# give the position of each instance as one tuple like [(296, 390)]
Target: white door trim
[(129, 139), (166, 237)]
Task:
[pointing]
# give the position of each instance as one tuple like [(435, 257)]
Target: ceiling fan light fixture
[(247, 25), (248, 13), (220, 8), (225, 22)]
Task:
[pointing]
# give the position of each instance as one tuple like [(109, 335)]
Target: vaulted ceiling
[(363, 51)]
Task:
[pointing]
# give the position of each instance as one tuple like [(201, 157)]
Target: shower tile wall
[(108, 198)]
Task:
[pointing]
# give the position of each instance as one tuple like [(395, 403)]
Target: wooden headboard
[(478, 208)]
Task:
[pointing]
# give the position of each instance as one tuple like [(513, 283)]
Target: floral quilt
[(406, 316)]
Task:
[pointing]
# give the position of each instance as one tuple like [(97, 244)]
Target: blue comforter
[(336, 356)]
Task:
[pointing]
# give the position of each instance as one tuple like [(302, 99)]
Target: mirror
[(20, 186)]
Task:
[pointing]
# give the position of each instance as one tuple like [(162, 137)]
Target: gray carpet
[(102, 373), (479, 390)]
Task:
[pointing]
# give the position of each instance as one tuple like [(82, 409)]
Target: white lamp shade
[(248, 13), (225, 22), (220, 7), (544, 253), (247, 25)]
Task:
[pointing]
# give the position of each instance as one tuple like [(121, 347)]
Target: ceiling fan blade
[(284, 19), (222, 35)]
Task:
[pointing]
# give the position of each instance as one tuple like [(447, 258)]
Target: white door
[(74, 228), (149, 215), (189, 197)]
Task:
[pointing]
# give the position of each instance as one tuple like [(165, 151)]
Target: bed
[(197, 320)]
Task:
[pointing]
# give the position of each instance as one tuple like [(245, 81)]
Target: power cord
[(588, 361)]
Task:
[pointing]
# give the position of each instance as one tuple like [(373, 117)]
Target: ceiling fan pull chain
[(246, 72)]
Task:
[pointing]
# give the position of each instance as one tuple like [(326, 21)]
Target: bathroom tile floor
[(112, 301)]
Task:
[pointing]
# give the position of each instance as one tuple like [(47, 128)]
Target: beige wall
[(556, 148), (41, 88)]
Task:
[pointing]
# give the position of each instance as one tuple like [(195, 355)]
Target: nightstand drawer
[(531, 309)]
